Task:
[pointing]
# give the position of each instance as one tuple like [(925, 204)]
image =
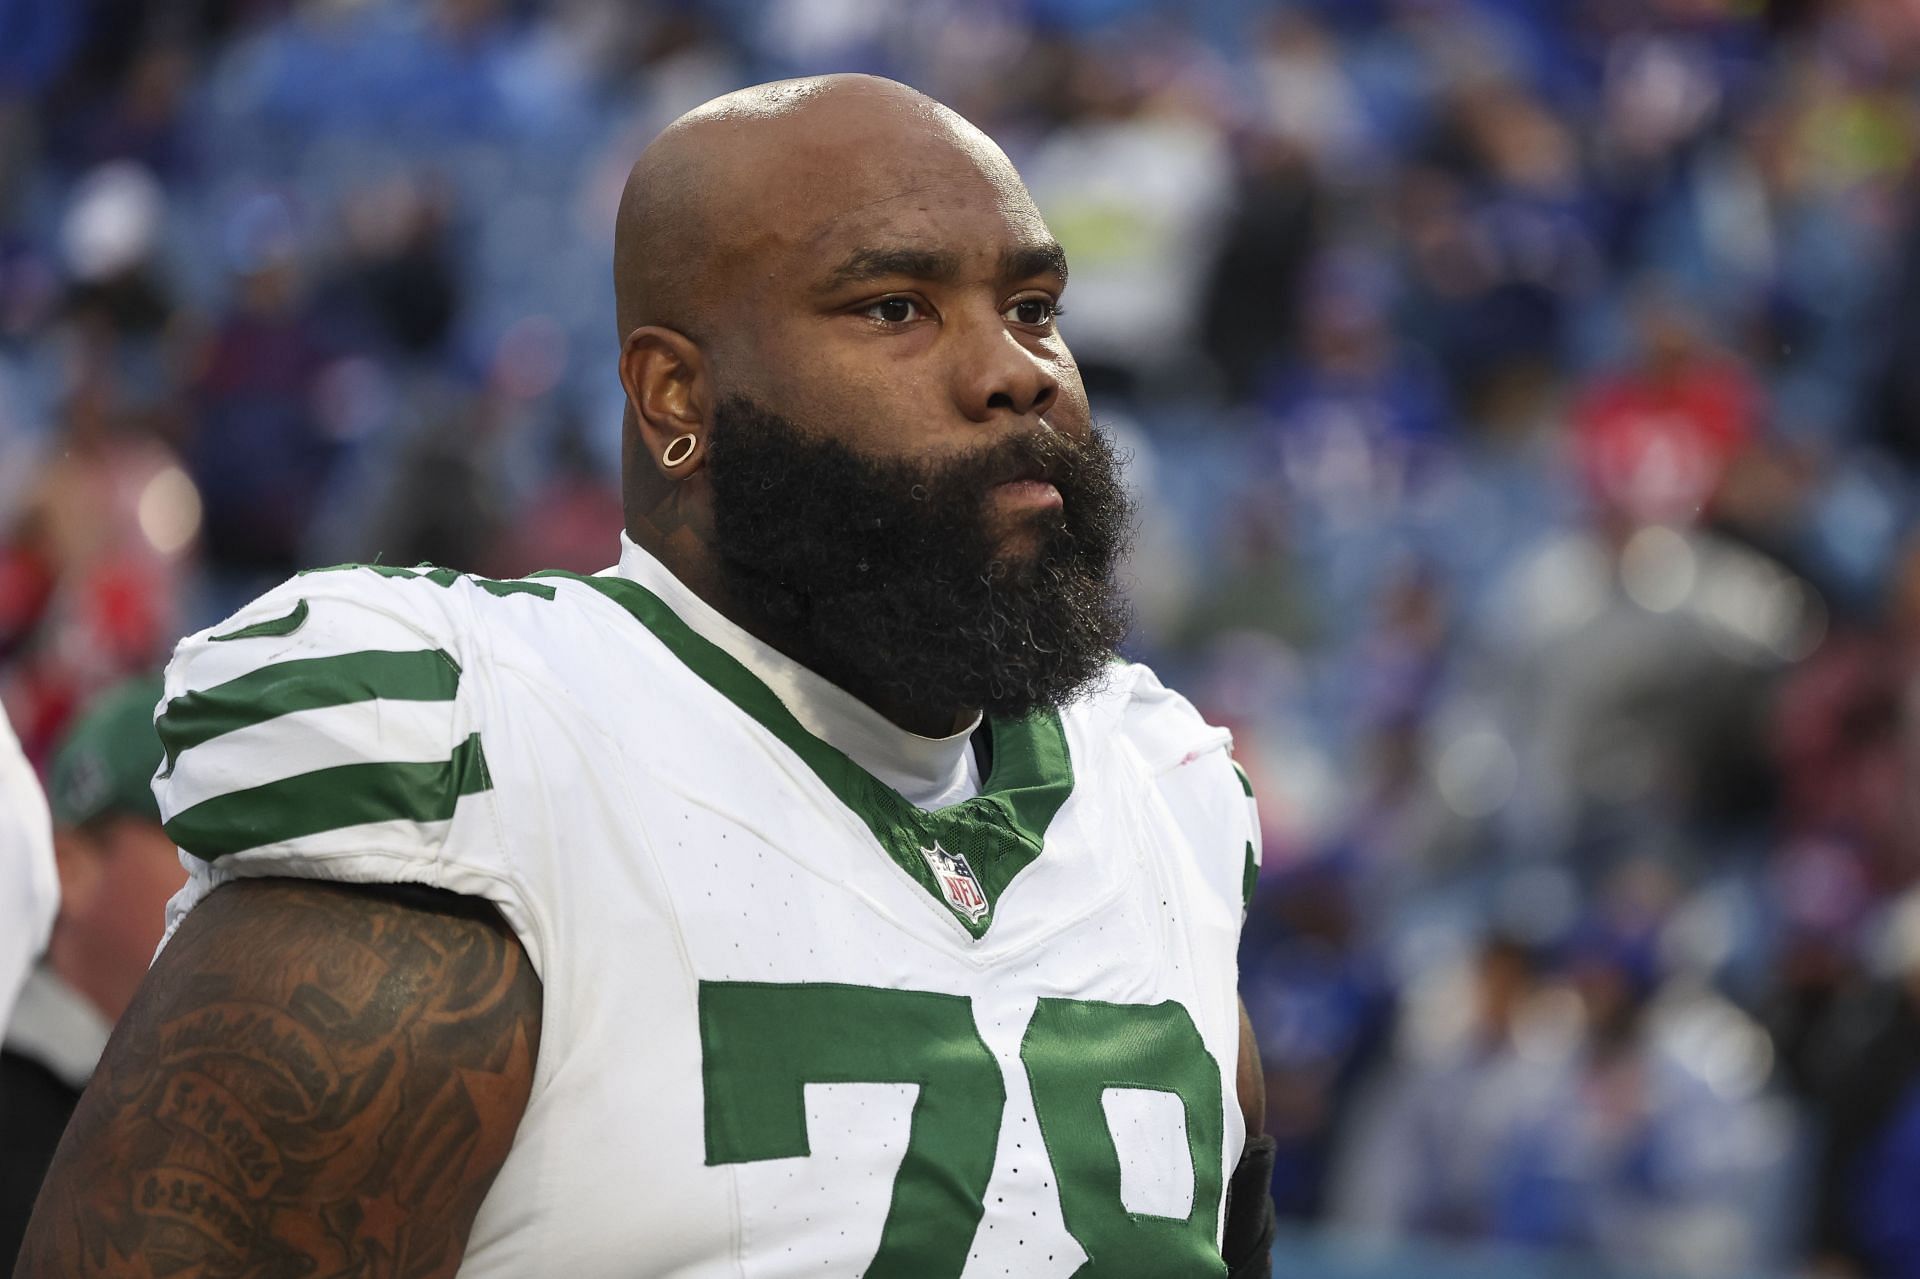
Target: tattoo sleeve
[(314, 1081)]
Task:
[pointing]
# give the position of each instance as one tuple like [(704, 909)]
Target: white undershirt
[(928, 772)]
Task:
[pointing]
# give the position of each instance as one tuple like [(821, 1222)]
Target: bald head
[(729, 185)]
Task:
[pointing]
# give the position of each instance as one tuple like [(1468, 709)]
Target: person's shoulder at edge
[(31, 889)]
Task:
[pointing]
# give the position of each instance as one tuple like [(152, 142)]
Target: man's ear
[(670, 398)]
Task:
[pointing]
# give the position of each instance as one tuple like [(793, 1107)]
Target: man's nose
[(996, 374)]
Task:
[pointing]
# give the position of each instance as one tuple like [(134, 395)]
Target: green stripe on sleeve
[(304, 684), (330, 799), (272, 627)]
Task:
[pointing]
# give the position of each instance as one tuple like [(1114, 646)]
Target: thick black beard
[(884, 577)]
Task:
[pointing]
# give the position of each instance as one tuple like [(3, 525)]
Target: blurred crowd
[(1525, 404)]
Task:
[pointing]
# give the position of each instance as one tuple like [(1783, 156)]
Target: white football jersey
[(792, 1024)]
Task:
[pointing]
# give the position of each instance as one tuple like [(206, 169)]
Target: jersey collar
[(928, 771), (964, 854)]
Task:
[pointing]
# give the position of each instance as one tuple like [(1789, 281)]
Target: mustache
[(950, 482), (1039, 454)]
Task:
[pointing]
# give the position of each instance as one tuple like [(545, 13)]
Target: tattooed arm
[(315, 1080)]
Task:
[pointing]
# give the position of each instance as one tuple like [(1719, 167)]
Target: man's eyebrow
[(864, 265), (1029, 260)]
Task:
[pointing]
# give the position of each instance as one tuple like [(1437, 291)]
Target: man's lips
[(1026, 494)]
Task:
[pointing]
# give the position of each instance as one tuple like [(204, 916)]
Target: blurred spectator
[(1254, 584), (1563, 1109), (395, 293), (1438, 1135), (110, 239), (1893, 393), (1613, 702), (1866, 1077), (1322, 1014), (1251, 308), (567, 520), (1656, 438), (1844, 729), (91, 559), (1501, 233), (136, 115), (1134, 180), (441, 500), (117, 869), (1356, 411), (258, 453)]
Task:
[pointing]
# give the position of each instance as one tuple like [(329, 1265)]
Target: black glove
[(1248, 1243)]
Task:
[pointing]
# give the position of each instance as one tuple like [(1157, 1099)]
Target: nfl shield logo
[(957, 884)]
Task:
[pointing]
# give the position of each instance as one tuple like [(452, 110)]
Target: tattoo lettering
[(195, 1104), (315, 1081), (265, 1035), (198, 1202)]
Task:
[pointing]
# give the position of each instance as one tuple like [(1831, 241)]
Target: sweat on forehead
[(771, 166)]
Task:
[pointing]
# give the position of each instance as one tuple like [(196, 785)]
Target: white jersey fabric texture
[(29, 881), (792, 1023)]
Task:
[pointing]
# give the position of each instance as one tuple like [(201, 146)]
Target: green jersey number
[(762, 1043)]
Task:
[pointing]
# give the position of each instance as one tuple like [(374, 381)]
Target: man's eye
[(1036, 312), (893, 310)]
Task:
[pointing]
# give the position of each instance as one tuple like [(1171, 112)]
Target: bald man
[(811, 893)]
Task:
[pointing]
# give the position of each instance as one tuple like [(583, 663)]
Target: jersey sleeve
[(1207, 791), (334, 729)]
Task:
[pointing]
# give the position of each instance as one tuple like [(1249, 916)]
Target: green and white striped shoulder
[(334, 716)]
